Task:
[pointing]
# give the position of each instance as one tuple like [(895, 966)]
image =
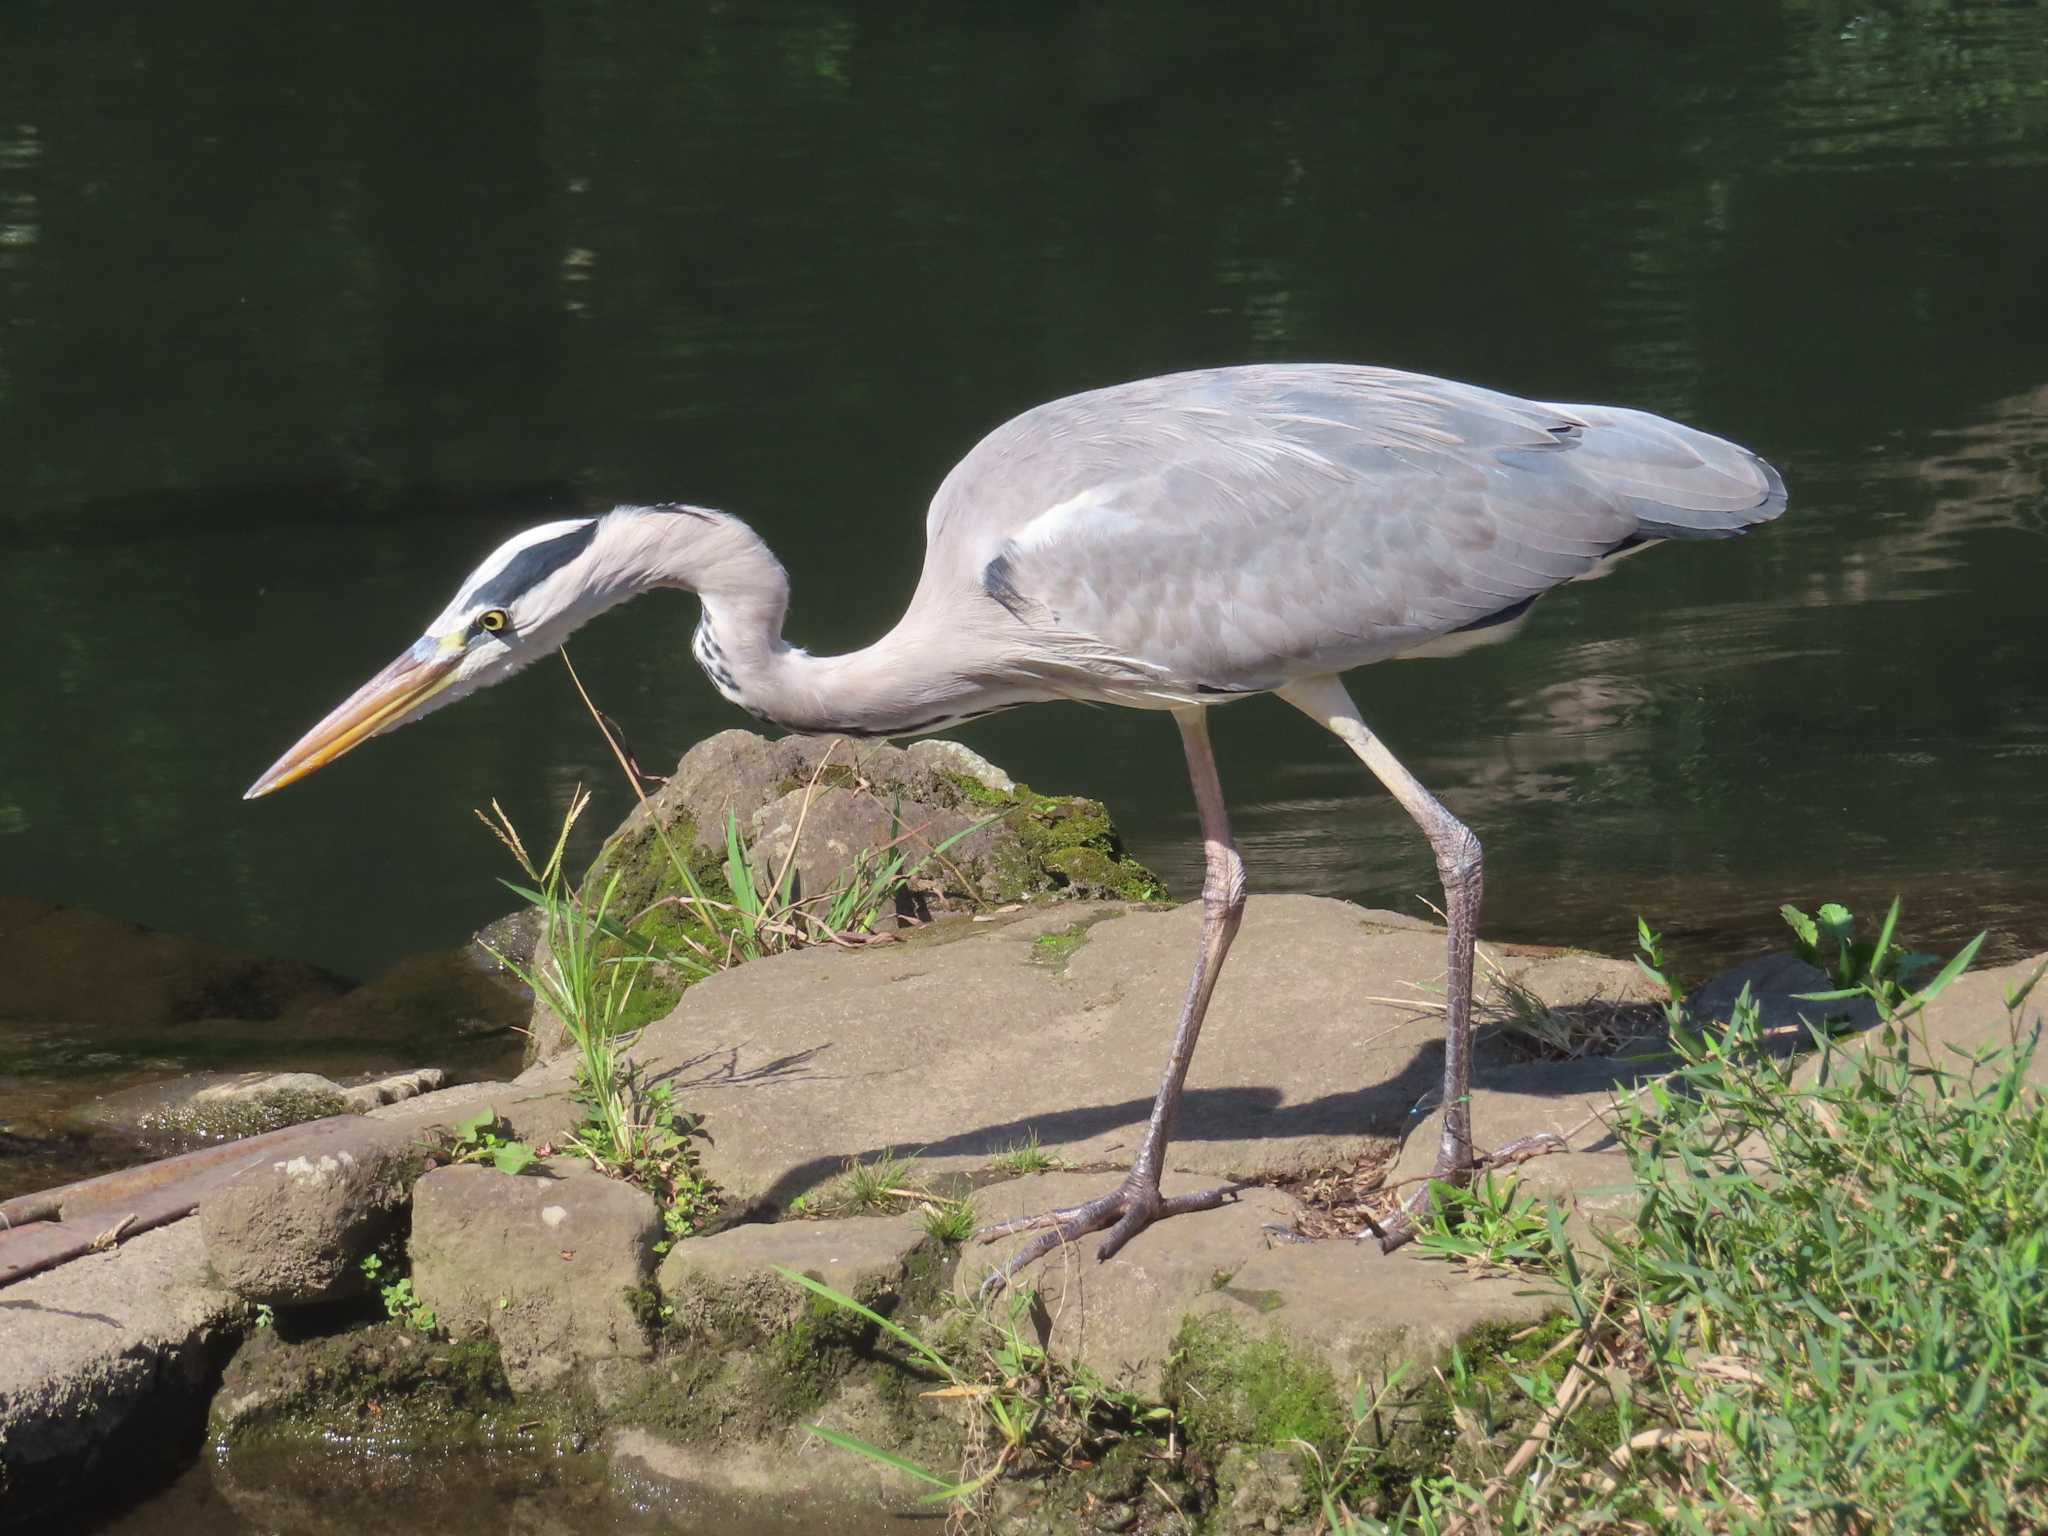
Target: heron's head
[(520, 604)]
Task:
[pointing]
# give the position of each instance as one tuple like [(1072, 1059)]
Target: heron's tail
[(1680, 483)]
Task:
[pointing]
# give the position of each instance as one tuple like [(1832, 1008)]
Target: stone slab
[(1119, 1318), (294, 1228), (862, 1256), (534, 1115), (1368, 1311), (542, 1262), (106, 1361), (968, 1039)]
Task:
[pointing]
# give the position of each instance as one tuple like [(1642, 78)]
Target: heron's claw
[(1126, 1211)]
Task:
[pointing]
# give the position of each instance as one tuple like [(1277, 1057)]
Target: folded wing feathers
[(1264, 517)]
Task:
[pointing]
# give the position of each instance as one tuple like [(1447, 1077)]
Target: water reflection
[(294, 332)]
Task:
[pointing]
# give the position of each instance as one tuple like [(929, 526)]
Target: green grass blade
[(1884, 938), (875, 1453), (963, 1490), (1947, 974), (895, 1330)]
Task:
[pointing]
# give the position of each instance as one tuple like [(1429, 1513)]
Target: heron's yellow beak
[(384, 700)]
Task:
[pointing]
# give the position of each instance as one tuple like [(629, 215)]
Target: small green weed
[(657, 1151), (878, 1185), (483, 1138), (400, 1304), (1487, 1225), (631, 1129), (1650, 961), (1878, 968)]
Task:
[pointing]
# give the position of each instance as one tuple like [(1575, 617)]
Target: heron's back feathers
[(1224, 531)]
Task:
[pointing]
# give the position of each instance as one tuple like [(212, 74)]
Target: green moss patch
[(1231, 1387), (754, 1356), (230, 1119), (1065, 844), (384, 1386), (1056, 948)]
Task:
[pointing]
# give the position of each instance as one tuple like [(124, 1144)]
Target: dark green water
[(301, 312)]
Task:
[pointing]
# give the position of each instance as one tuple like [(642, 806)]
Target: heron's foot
[(1405, 1224), (1126, 1211)]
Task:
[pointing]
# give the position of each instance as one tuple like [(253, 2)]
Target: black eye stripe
[(534, 564)]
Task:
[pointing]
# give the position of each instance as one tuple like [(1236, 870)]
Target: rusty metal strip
[(51, 1227)]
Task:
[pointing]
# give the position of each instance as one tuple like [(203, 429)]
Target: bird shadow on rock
[(37, 1306), (1389, 1108), (720, 1068), (1235, 1114)]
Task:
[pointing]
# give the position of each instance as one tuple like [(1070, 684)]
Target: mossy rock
[(744, 1352), (1066, 846), (402, 1389), (819, 801), (201, 1107), (421, 1005)]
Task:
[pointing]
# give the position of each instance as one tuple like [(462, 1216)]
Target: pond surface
[(298, 320), (347, 1492)]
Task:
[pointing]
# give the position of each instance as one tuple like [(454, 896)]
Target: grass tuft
[(951, 1221), (1831, 1313), (876, 1185), (1026, 1156)]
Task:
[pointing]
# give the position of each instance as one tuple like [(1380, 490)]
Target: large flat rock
[(1119, 1318), (1365, 1311), (106, 1363), (972, 1037)]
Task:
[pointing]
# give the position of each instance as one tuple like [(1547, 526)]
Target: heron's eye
[(492, 620)]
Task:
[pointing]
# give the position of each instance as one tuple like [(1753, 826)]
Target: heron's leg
[(1136, 1203), (1457, 853)]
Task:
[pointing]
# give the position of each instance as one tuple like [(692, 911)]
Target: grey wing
[(1225, 531)]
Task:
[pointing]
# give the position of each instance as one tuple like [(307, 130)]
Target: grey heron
[(1173, 544)]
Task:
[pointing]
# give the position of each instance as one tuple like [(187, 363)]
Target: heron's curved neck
[(886, 689)]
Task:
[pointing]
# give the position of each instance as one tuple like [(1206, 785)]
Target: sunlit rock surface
[(809, 810)]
